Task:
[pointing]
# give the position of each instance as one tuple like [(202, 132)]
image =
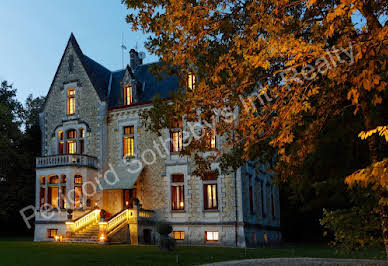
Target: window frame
[(128, 140), (176, 132), (71, 141), (179, 187), (49, 233), (214, 233), (128, 94), (191, 81), (70, 102), (180, 235), (80, 195)]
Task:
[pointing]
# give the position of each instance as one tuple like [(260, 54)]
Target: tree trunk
[(374, 156)]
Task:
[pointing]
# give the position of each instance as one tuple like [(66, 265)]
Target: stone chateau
[(85, 191)]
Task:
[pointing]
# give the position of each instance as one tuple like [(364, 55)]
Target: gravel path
[(300, 261)]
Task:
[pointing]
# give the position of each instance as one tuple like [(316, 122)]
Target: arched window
[(78, 191), (71, 142)]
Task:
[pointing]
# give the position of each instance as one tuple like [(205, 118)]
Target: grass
[(22, 252)]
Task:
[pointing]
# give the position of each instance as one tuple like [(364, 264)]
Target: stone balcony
[(66, 160)]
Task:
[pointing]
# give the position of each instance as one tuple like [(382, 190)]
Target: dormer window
[(191, 81), (128, 95), (70, 102)]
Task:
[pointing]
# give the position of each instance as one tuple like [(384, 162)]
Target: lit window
[(42, 194), (176, 137), (178, 235), (51, 233), (210, 137), (212, 236), (129, 142), (71, 143), (78, 179), (78, 191), (177, 192), (128, 95), (70, 101), (53, 179), (61, 142), (191, 81), (210, 196)]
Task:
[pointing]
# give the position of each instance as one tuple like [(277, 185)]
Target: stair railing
[(83, 221), (116, 222)]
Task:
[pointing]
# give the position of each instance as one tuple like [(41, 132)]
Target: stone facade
[(239, 218)]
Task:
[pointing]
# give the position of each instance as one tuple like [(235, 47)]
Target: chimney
[(135, 60)]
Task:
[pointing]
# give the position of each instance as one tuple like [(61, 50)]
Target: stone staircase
[(87, 235)]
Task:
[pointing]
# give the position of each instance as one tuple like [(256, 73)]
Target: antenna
[(123, 48)]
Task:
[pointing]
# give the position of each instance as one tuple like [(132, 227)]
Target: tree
[(17, 154), (288, 66)]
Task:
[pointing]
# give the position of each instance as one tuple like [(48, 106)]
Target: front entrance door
[(128, 196)]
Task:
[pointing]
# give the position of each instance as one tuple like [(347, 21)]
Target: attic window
[(191, 81), (70, 101), (128, 95)]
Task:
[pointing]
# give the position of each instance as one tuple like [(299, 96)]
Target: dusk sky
[(35, 33)]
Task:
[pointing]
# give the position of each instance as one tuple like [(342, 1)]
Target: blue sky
[(34, 35)]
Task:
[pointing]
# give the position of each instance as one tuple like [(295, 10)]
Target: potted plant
[(166, 243), (69, 214)]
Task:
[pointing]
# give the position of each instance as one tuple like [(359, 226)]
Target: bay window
[(78, 191), (42, 197), (81, 141), (61, 142), (53, 192), (71, 141)]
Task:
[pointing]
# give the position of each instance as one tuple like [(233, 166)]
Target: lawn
[(19, 252)]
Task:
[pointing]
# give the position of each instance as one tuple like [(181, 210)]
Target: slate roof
[(149, 83), (107, 83)]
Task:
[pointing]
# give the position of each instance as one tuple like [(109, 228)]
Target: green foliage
[(17, 154), (356, 228)]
